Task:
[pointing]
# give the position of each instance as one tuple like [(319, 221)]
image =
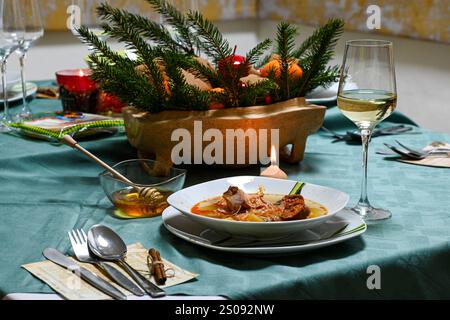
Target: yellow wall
[(425, 19)]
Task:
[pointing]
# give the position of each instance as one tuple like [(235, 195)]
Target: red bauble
[(235, 62), (268, 100), (109, 103)]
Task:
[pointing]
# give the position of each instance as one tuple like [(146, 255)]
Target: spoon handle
[(148, 287)]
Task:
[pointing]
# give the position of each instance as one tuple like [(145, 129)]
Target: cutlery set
[(100, 245), (410, 153), (401, 149)]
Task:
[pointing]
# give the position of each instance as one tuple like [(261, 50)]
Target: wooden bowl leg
[(296, 152)]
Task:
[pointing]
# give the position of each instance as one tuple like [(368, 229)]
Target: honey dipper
[(148, 193)]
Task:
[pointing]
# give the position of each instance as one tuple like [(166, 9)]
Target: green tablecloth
[(46, 190)]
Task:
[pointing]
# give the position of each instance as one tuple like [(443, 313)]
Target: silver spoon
[(107, 245)]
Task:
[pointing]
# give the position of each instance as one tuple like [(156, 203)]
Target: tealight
[(274, 171), (78, 91)]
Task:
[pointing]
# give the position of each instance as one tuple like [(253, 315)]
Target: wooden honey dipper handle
[(148, 193), (68, 140)]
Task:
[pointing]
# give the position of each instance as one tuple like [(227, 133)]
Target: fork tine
[(84, 235), (80, 236), (72, 239), (75, 236), (409, 149), (405, 154)]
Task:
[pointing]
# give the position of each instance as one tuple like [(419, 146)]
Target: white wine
[(366, 108)]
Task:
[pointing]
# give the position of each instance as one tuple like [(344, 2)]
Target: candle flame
[(274, 156), (81, 73)]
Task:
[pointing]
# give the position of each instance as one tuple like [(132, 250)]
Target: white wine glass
[(369, 67), (11, 31), (34, 30)]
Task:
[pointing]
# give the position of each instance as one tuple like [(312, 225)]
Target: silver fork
[(437, 151), (78, 239), (416, 155)]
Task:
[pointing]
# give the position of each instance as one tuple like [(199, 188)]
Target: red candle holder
[(78, 91)]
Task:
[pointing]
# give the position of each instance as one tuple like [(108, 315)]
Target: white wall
[(423, 68)]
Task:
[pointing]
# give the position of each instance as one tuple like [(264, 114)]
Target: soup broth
[(211, 208)]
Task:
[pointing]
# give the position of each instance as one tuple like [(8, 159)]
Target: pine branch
[(147, 28), (323, 79), (116, 74), (214, 45), (254, 55), (100, 47), (306, 45), (205, 73), (183, 95), (178, 21), (258, 90), (285, 46), (148, 55), (319, 54)]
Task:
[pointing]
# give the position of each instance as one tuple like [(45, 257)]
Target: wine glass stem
[(366, 134), (6, 116), (25, 110)]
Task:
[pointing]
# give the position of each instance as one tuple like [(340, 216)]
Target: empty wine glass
[(368, 65), (34, 30), (84, 14), (11, 31)]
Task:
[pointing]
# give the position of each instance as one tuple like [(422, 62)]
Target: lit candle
[(274, 170), (76, 81), (78, 91)]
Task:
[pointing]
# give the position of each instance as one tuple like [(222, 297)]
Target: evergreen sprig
[(315, 55), (116, 74), (147, 28), (180, 22), (255, 54), (285, 47), (213, 44)]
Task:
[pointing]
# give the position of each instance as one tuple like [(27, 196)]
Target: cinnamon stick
[(157, 267)]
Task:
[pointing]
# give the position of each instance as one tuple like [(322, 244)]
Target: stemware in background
[(11, 32), (368, 64), (34, 30)]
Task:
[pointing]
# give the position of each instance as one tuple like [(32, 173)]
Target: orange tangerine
[(295, 71)]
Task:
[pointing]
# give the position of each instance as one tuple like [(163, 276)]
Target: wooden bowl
[(151, 134)]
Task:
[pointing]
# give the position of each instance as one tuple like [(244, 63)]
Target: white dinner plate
[(15, 93), (184, 200), (342, 227), (13, 78), (327, 95)]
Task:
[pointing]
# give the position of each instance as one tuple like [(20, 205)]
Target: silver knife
[(57, 257)]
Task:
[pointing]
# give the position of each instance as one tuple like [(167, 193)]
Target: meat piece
[(235, 199), (294, 208)]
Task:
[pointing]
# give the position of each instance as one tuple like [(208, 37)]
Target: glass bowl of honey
[(129, 202)]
